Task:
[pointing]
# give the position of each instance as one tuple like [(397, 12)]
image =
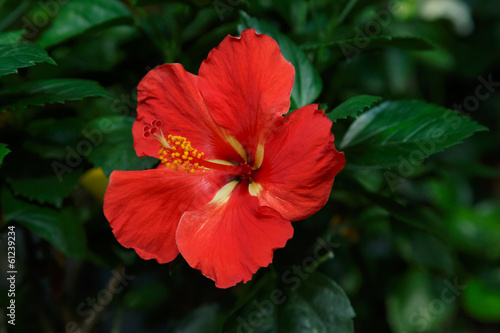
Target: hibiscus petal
[(144, 207), (232, 236), (299, 166), (169, 99), (246, 85)]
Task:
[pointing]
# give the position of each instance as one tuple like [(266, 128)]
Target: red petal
[(299, 166), (246, 84), (144, 207), (169, 99), (232, 236)]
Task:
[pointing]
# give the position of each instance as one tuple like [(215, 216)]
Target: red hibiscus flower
[(234, 171)]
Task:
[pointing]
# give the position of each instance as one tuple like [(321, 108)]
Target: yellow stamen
[(177, 153)]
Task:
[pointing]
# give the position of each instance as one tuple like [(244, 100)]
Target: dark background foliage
[(409, 242)]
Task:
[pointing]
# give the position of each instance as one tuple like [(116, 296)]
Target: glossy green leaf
[(3, 151), (44, 92), (318, 305), (11, 37), (308, 84), (403, 133), (79, 16), (20, 55), (46, 189), (351, 47), (311, 304), (60, 228), (114, 148), (353, 107), (256, 310)]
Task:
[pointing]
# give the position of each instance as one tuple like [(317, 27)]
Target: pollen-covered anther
[(176, 152)]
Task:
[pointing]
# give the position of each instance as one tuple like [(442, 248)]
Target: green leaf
[(198, 26), (259, 302), (420, 248), (447, 191), (43, 92), (350, 47), (403, 133), (50, 138), (353, 107), (312, 304), (481, 299), (62, 131), (47, 189), (115, 150), (3, 151), (60, 228), (14, 56), (11, 37), (294, 12), (422, 218), (308, 84), (206, 318), (91, 54), (79, 16), (440, 59), (140, 3), (415, 303), (318, 305), (474, 230), (146, 296)]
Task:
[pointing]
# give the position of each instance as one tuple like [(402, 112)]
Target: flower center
[(246, 171), (177, 153)]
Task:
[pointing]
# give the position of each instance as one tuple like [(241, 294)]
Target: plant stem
[(347, 9), (13, 15)]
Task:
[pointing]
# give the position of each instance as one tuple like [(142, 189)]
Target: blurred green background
[(415, 246)]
